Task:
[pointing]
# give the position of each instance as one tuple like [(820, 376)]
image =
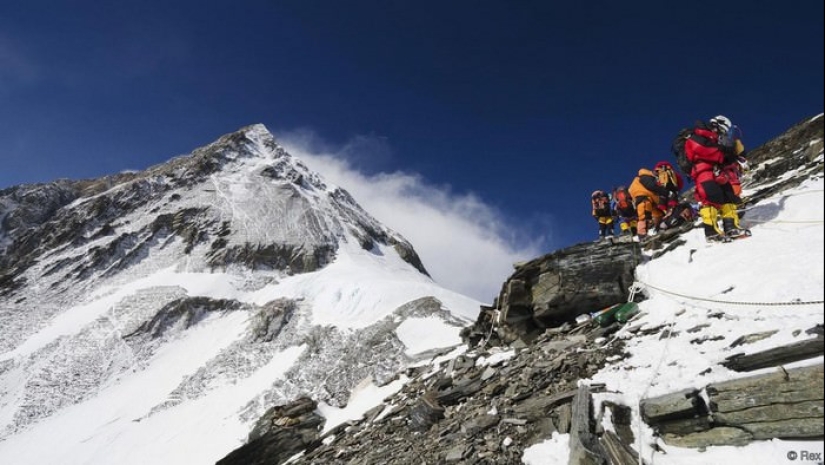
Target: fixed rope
[(634, 289), (749, 221), (731, 302), (649, 384), (495, 321)]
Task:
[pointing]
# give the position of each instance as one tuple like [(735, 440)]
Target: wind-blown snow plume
[(452, 232)]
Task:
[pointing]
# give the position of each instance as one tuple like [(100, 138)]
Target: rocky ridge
[(482, 406)]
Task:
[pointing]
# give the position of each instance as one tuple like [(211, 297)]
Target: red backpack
[(623, 200)]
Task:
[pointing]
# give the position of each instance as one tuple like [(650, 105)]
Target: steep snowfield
[(125, 421), (360, 288)]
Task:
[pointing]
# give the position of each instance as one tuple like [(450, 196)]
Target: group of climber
[(713, 156), (649, 203)]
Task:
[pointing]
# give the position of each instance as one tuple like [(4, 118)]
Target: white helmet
[(722, 123)]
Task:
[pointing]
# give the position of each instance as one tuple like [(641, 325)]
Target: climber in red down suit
[(710, 148)]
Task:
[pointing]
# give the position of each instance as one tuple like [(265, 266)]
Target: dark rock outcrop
[(293, 259), (185, 312), (556, 288), (776, 356), (785, 404), (282, 432), (796, 149), (268, 322), (475, 408)]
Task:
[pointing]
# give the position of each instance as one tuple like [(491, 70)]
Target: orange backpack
[(667, 178)]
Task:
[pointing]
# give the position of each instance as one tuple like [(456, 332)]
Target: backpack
[(667, 178), (601, 203), (678, 150), (623, 200)]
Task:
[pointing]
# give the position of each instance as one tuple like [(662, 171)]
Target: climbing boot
[(717, 238), (710, 220)]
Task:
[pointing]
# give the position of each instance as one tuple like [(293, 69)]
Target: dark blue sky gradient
[(529, 104)]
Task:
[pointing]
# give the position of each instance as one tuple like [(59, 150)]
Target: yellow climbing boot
[(710, 218)]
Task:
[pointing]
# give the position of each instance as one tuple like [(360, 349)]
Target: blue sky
[(527, 106)]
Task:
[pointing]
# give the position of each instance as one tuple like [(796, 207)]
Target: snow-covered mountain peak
[(247, 148), (233, 272), (241, 200)]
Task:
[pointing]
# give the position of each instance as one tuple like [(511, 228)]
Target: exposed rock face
[(34, 204), (784, 404), (797, 148), (481, 407), (556, 288), (488, 405), (185, 312), (282, 432)]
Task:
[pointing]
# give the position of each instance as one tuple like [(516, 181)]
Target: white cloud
[(466, 245)]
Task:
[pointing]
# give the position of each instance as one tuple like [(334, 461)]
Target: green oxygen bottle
[(626, 312), (606, 316)]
